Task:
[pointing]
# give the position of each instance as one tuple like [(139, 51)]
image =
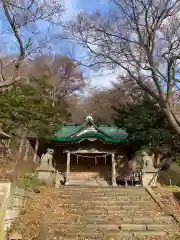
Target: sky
[(72, 8)]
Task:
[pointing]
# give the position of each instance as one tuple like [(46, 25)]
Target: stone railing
[(5, 189), (12, 200)]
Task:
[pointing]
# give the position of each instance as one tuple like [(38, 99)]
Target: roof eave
[(79, 139)]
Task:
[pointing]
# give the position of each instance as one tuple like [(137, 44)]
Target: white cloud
[(104, 79), (70, 9)]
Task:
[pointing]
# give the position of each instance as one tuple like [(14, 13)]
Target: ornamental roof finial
[(89, 119)]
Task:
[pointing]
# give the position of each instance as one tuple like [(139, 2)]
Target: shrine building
[(88, 152)]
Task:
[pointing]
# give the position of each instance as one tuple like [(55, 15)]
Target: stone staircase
[(107, 213), (87, 181)]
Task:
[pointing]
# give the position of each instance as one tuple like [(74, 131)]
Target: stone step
[(117, 220), (105, 201), (113, 227), (86, 227), (122, 236), (119, 197), (73, 181), (148, 227), (107, 235), (103, 192), (77, 235), (85, 180), (103, 188), (96, 188), (130, 207), (113, 202), (106, 214), (135, 235), (103, 198)]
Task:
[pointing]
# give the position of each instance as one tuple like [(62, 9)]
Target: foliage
[(30, 182), (29, 108), (146, 125)]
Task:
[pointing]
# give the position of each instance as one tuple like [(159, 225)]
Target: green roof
[(75, 133)]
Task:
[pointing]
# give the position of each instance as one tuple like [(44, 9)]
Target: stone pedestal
[(149, 172), (149, 178), (46, 173), (58, 179)]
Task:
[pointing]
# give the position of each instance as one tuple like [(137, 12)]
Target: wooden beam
[(95, 151), (113, 170), (68, 168)]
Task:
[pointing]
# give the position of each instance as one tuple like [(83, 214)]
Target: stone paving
[(108, 213)]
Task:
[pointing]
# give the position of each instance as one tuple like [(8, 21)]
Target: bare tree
[(61, 73), (21, 16), (99, 101), (142, 39)]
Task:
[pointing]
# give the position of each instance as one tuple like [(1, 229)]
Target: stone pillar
[(113, 170), (68, 168)]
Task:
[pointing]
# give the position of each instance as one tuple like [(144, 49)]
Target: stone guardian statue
[(46, 159), (45, 171)]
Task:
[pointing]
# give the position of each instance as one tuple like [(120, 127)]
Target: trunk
[(172, 121), (35, 152), (18, 156), (26, 151), (8, 149), (21, 146)]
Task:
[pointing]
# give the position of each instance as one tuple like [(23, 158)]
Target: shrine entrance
[(91, 168)]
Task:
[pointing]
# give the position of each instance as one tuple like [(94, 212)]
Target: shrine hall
[(89, 152)]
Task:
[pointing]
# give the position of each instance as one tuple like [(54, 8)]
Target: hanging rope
[(87, 156), (95, 160), (77, 159)]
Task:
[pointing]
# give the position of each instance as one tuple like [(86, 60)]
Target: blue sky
[(88, 6), (75, 6), (72, 8)]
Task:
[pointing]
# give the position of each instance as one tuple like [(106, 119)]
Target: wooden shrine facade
[(87, 149)]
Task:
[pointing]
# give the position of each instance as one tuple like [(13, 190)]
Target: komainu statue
[(46, 159), (147, 162), (46, 171)]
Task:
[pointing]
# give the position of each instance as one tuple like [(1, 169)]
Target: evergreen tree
[(30, 109), (146, 125)]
